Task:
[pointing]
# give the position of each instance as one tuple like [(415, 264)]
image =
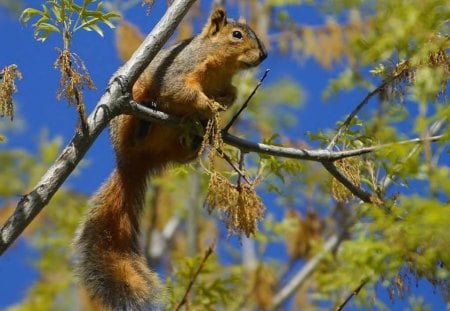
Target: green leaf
[(77, 8), (28, 14), (40, 21), (45, 11), (109, 24), (57, 14), (48, 27), (97, 30), (42, 37), (89, 23)]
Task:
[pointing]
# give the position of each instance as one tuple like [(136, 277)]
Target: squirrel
[(182, 80)]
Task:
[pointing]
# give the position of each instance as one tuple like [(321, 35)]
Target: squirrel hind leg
[(143, 128)]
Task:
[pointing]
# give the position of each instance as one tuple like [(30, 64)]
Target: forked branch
[(355, 111)]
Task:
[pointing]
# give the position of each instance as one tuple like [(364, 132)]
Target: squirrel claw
[(122, 80)]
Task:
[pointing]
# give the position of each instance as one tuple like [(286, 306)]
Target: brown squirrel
[(182, 80)]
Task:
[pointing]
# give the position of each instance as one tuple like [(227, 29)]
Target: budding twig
[(238, 170), (350, 117), (351, 295), (208, 252)]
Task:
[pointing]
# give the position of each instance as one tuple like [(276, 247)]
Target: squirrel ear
[(242, 20), (217, 20)]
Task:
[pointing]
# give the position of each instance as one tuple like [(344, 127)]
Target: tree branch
[(238, 169), (434, 128), (302, 275), (360, 193), (109, 105), (351, 295), (317, 155), (160, 239), (208, 252), (314, 155), (333, 242)]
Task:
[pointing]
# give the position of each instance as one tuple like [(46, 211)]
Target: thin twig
[(238, 170), (208, 252), (241, 165), (434, 128), (314, 155), (228, 126), (350, 117), (351, 295)]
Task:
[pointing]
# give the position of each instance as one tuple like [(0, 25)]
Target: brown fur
[(181, 80)]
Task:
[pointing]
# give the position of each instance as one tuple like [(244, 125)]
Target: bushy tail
[(110, 265)]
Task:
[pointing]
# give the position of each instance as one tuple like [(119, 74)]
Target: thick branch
[(360, 193), (108, 106)]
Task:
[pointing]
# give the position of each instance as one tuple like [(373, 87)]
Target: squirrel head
[(235, 40)]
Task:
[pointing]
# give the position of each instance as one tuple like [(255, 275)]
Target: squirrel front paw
[(207, 108), (216, 107)]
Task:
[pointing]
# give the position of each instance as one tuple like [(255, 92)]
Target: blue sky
[(37, 105)]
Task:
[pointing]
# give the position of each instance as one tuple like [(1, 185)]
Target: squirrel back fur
[(182, 80)]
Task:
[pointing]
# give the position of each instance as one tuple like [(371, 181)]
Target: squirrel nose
[(263, 55), (262, 51)]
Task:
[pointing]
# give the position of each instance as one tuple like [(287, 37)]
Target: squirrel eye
[(237, 34)]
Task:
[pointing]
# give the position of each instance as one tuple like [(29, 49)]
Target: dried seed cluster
[(7, 89), (239, 205), (74, 77)]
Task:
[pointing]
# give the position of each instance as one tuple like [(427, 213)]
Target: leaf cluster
[(66, 17), (393, 248), (214, 286)]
